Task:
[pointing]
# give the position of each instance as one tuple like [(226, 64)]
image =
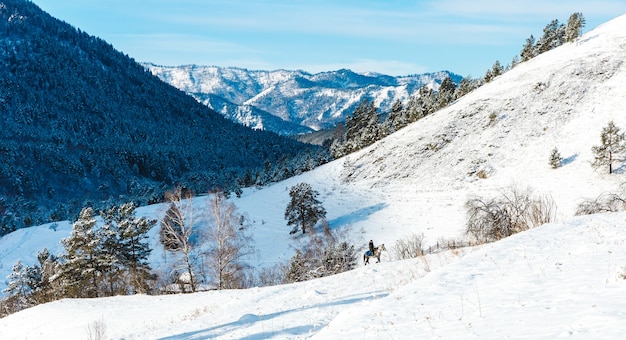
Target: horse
[(377, 251)]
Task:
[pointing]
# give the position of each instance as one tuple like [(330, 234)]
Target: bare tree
[(227, 243), (177, 229)]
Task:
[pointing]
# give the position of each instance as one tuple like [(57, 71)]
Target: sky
[(561, 279), (389, 37)]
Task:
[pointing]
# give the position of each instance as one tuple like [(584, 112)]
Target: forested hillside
[(83, 124)]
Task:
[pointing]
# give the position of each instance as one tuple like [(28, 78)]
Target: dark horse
[(377, 251)]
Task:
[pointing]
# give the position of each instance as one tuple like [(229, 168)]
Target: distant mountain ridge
[(292, 102)]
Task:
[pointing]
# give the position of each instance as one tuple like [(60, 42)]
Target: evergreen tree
[(445, 95), (426, 101), (574, 26), (497, 69), (397, 118), (18, 289), (42, 276), (84, 267), (612, 147), (555, 158), (528, 50), (304, 209), (125, 241), (362, 128), (553, 37), (466, 85), (488, 76)]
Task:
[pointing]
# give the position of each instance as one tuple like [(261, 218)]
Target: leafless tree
[(227, 243), (177, 230)]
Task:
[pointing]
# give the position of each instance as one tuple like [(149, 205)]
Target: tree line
[(367, 125), (206, 243)]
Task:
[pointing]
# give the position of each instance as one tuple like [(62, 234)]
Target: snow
[(563, 279)]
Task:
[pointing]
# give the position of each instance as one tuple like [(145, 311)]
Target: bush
[(500, 217), (408, 248), (324, 254), (607, 202)]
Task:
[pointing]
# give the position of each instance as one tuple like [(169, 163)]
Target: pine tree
[(18, 289), (553, 37), (466, 85), (612, 147), (488, 76), (42, 276), (304, 209), (497, 69), (83, 269), (426, 101), (574, 26), (445, 95), (125, 242), (528, 50), (397, 118), (555, 158)]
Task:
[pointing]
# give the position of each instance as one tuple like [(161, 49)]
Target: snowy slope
[(562, 279)]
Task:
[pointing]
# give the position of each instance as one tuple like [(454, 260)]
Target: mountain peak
[(312, 101)]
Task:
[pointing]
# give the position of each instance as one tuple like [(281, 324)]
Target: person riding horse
[(376, 252)]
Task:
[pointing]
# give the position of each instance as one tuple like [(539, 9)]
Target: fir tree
[(304, 209)]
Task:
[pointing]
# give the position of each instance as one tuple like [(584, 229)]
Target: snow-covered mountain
[(561, 279), (295, 98)]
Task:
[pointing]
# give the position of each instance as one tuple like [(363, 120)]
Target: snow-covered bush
[(606, 202), (512, 212), (407, 248)]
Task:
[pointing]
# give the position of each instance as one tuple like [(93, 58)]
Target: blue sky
[(390, 37)]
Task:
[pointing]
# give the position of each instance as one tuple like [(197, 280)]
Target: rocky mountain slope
[(295, 98)]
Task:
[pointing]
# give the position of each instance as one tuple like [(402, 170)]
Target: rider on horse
[(371, 248)]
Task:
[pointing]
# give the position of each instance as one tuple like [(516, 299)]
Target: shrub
[(606, 202), (324, 254), (408, 248), (512, 212)]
